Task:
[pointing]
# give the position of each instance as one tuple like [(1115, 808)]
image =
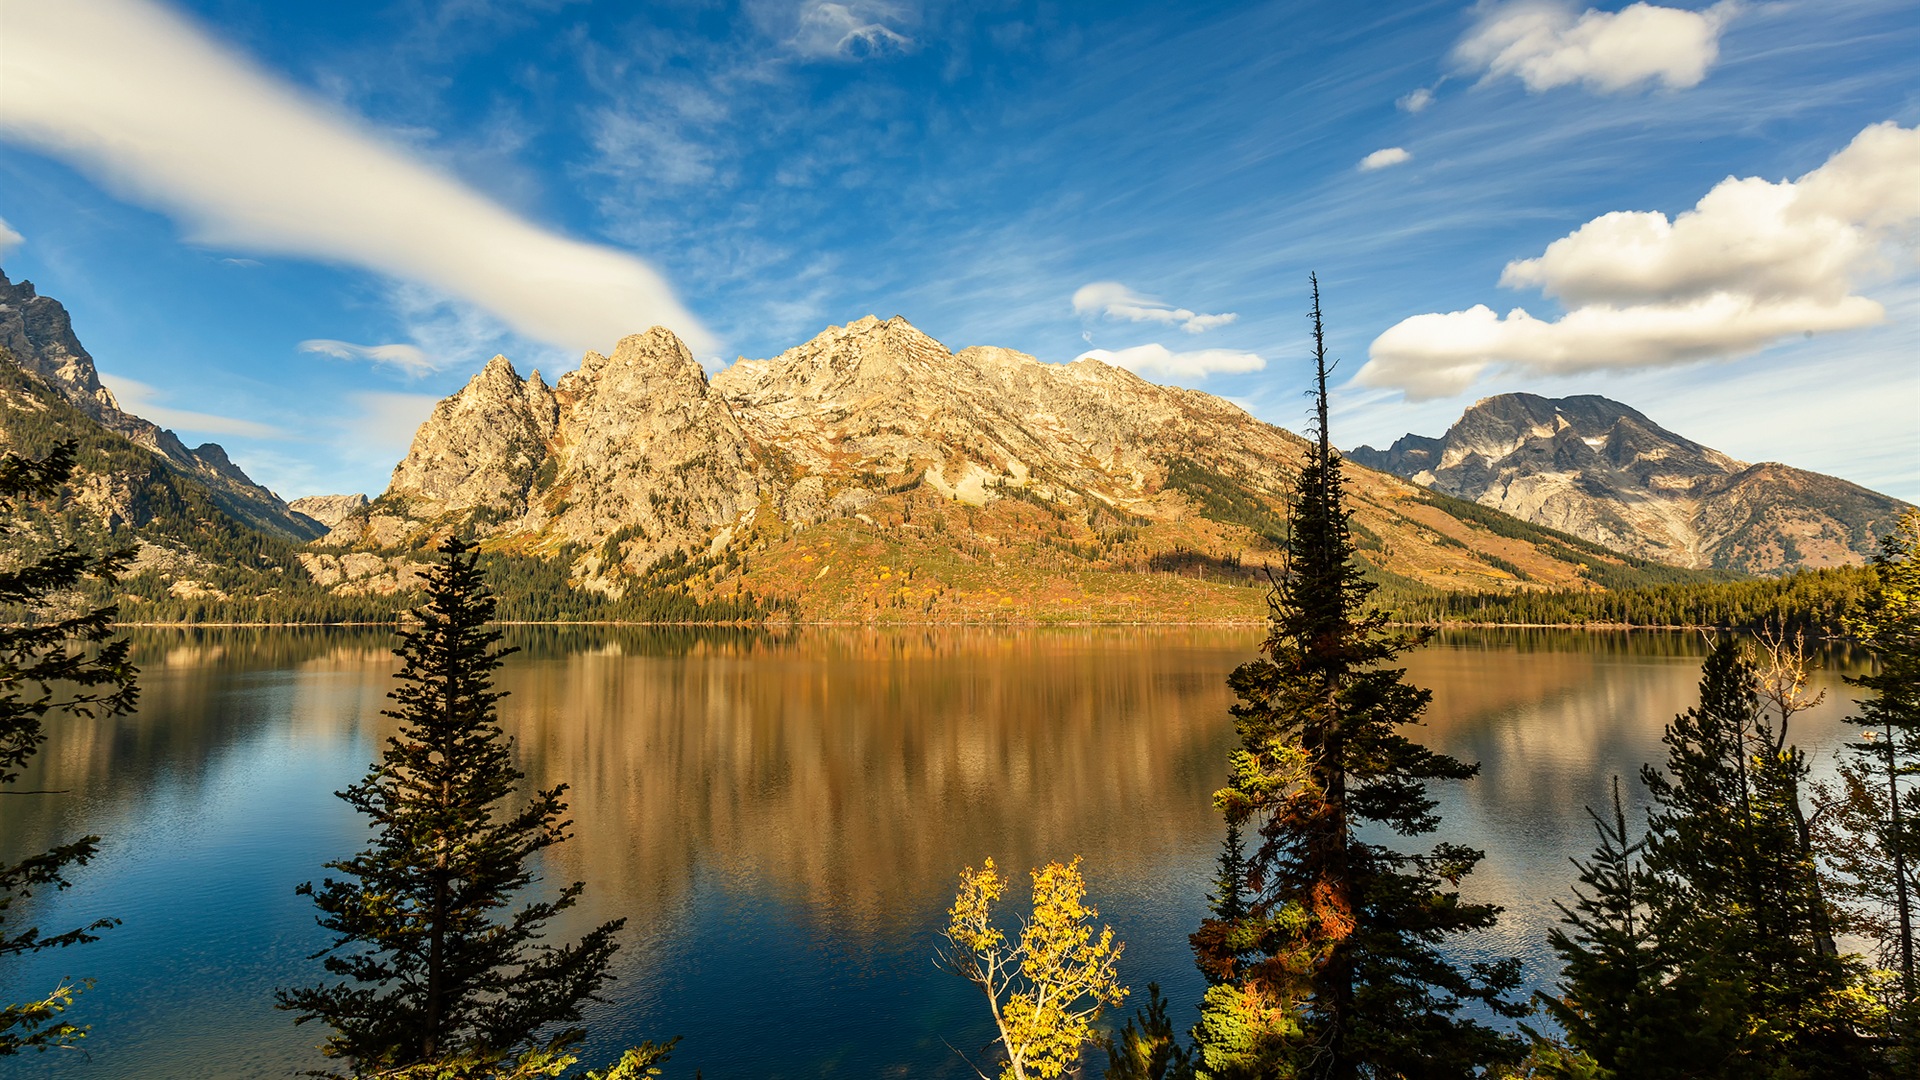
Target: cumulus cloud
[(408, 358), (848, 31), (148, 104), (9, 239), (1752, 262), (1416, 100), (144, 400), (1545, 44), (1381, 159), (1156, 359), (1116, 301)]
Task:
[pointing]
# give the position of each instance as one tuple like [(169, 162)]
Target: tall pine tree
[(54, 661), (1741, 915), (438, 968), (1334, 968)]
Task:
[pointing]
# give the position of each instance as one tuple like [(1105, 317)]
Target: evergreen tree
[(54, 661), (1741, 915), (1872, 843), (437, 970), (1615, 1004), (1335, 967)]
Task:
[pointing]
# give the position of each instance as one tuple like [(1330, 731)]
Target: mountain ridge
[(36, 333), (872, 454), (1604, 471)]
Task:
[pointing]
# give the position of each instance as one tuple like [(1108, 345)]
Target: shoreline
[(1007, 623)]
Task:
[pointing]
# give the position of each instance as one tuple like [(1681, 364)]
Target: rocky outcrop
[(635, 447), (37, 333), (1603, 471), (330, 510)]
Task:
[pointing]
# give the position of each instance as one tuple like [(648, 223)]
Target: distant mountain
[(36, 335), (1598, 469), (873, 473)]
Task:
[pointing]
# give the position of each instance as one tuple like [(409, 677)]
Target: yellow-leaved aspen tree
[(1046, 990)]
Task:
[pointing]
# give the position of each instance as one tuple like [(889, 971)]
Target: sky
[(292, 227)]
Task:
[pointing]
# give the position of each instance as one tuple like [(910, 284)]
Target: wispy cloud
[(1116, 301), (1157, 359), (9, 239), (1752, 262), (1545, 44), (1416, 100), (848, 31), (135, 95), (147, 401), (407, 358), (1381, 159)]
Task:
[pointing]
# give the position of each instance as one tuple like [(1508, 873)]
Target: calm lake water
[(780, 820)]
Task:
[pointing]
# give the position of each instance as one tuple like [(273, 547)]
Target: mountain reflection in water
[(780, 817)]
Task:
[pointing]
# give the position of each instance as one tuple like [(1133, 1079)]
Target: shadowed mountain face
[(37, 335), (1600, 470)]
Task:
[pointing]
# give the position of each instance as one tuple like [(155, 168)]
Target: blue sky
[(291, 227)]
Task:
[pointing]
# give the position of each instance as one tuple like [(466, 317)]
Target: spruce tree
[(1335, 968), (437, 966), (1738, 901), (1614, 1001), (54, 661)]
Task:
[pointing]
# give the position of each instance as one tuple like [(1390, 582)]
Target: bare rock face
[(883, 403), (1603, 471), (38, 334), (330, 510), (634, 443), (482, 447)]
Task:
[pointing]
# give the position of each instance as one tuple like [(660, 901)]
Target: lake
[(780, 819)]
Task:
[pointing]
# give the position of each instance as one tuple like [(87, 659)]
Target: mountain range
[(868, 474), (872, 472), (1603, 471)]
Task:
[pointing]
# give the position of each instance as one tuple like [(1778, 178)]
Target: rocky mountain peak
[(37, 333), (1605, 471)]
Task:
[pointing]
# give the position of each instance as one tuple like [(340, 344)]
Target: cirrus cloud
[(1116, 301), (145, 102), (408, 358), (1546, 45), (1157, 359), (1753, 262)]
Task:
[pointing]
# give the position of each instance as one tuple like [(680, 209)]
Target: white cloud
[(847, 31), (1381, 159), (9, 239), (136, 96), (1116, 301), (144, 400), (1417, 100), (1546, 45), (1156, 359), (1751, 263), (408, 358)]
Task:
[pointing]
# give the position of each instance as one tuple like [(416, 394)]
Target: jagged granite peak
[(481, 446), (37, 332), (633, 443), (1602, 470), (331, 510)]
